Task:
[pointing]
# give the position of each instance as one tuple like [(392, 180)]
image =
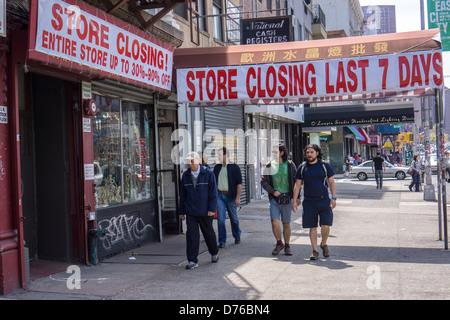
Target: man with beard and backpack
[(317, 176)]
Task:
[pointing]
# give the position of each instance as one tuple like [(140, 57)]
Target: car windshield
[(369, 164)]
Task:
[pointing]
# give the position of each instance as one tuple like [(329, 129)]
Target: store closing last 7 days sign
[(300, 82)]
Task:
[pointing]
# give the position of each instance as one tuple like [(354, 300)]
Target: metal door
[(168, 178)]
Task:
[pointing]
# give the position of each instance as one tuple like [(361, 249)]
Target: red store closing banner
[(77, 37), (353, 68), (301, 82)]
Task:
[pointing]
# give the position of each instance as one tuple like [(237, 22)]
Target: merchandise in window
[(122, 152), (136, 152)]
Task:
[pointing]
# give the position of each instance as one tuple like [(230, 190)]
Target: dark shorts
[(312, 210)]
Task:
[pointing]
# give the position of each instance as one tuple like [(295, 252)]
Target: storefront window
[(136, 152), (122, 144)]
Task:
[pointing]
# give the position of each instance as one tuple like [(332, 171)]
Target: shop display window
[(123, 152)]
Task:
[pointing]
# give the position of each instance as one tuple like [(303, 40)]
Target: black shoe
[(221, 245), (314, 255), (237, 240), (215, 258)]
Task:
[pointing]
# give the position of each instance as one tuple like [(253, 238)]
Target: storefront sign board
[(266, 30), (312, 81), (75, 36)]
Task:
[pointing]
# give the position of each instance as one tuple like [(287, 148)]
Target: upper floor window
[(181, 10), (217, 12)]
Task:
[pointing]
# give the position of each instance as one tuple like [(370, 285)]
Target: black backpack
[(322, 163)]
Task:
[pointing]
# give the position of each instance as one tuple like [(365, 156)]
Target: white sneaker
[(215, 258), (191, 265)]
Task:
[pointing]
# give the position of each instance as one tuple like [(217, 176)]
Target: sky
[(407, 15)]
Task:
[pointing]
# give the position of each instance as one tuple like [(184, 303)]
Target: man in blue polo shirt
[(317, 176)]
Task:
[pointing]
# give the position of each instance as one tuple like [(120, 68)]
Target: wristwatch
[(333, 198)]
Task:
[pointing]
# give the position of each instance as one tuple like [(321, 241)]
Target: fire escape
[(136, 7)]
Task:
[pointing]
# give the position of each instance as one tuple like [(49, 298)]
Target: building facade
[(248, 132), (86, 96)]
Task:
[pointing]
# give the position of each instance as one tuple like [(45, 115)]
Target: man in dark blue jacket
[(229, 184), (198, 203)]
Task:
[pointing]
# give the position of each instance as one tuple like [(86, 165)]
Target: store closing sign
[(306, 81), (86, 35)]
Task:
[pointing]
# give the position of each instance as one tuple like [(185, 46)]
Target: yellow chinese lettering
[(334, 51), (268, 56), (358, 49), (312, 53), (289, 55), (247, 57), (380, 47)]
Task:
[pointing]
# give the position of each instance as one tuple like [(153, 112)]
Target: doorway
[(47, 167), (168, 172)]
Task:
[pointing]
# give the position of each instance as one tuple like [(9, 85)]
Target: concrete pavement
[(383, 246)]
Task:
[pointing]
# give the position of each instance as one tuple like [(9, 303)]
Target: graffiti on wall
[(123, 229)]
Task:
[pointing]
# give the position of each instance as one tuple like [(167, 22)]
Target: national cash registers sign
[(266, 30)]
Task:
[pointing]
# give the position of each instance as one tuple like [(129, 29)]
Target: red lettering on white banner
[(315, 80), (72, 33)]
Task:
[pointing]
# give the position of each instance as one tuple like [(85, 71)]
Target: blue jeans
[(224, 204), (415, 182), (379, 178)]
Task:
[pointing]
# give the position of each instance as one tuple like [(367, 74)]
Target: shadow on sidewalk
[(342, 256)]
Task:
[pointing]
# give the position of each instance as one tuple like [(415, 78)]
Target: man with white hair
[(198, 204)]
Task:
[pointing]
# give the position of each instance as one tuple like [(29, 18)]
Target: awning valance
[(365, 135), (356, 132)]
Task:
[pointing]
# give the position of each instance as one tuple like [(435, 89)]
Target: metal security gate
[(230, 122)]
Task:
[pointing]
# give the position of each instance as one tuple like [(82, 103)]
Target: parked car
[(364, 171), (433, 162)]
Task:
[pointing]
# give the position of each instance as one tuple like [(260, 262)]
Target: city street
[(384, 245)]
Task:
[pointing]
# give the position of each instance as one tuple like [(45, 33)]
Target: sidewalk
[(383, 245)]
